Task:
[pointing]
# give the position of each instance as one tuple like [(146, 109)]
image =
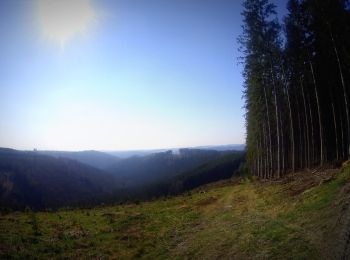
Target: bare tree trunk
[(307, 151), (306, 146), (262, 155), (266, 151), (277, 122), (278, 135), (256, 166), (312, 152), (319, 113), (258, 159), (342, 135), (261, 158), (291, 130), (282, 144), (344, 92), (290, 119), (336, 131), (302, 143), (269, 129)]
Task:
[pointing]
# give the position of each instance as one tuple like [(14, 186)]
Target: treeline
[(297, 80)]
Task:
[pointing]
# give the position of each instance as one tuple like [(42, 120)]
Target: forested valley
[(297, 78), (40, 180)]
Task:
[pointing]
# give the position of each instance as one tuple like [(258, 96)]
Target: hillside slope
[(50, 180), (223, 167), (143, 170), (95, 159), (303, 216), (40, 181)]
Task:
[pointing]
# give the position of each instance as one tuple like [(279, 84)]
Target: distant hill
[(227, 147), (221, 168), (224, 166), (143, 170), (53, 179), (95, 159), (131, 153), (41, 181)]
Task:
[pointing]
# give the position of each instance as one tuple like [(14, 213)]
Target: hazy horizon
[(131, 150), (120, 75)]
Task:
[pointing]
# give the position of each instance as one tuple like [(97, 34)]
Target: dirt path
[(346, 237), (344, 252), (339, 238)]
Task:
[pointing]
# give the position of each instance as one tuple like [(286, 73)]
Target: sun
[(61, 20)]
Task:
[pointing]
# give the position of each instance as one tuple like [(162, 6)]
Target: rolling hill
[(95, 159), (41, 181), (224, 166), (162, 166)]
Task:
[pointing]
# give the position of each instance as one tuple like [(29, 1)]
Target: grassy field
[(299, 217)]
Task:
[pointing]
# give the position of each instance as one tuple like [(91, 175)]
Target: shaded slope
[(95, 159), (160, 166), (223, 166), (38, 181), (220, 168)]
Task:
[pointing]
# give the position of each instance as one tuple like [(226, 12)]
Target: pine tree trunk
[(290, 119), (312, 150), (277, 122), (307, 151), (282, 145), (344, 93), (266, 152), (269, 129), (258, 159), (302, 138), (261, 157), (336, 131), (291, 130), (342, 136), (319, 113)]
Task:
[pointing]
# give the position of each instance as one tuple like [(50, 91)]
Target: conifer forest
[(297, 85)]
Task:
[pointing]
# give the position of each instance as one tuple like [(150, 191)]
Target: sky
[(120, 75)]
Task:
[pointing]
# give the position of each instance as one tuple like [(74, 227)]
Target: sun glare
[(61, 20)]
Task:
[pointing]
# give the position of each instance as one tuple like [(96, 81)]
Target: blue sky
[(116, 75)]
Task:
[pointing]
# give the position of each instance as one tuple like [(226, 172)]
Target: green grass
[(235, 220)]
